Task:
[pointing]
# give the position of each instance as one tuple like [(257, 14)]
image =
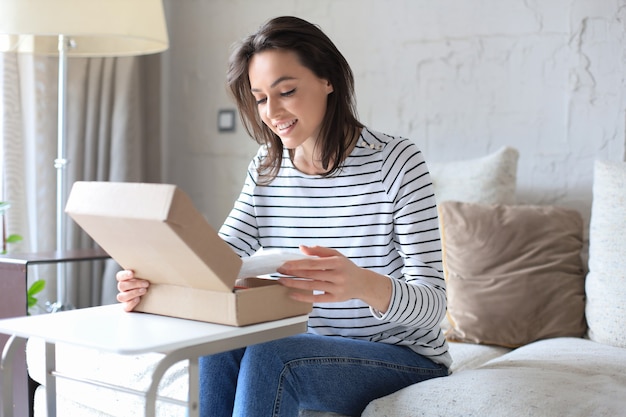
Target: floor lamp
[(81, 28)]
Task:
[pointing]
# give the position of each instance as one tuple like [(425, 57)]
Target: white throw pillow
[(606, 280), (490, 179)]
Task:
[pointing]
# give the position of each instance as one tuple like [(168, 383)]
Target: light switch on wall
[(226, 120)]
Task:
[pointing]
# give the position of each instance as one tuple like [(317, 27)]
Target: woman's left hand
[(336, 277)]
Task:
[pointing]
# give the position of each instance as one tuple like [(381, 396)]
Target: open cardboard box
[(155, 230)]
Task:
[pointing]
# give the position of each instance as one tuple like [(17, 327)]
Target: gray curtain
[(113, 134)]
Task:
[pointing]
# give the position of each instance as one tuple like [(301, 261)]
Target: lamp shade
[(97, 27)]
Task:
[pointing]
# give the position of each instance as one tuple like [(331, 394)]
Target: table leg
[(51, 381), (194, 393), (166, 363), (7, 375), (13, 345)]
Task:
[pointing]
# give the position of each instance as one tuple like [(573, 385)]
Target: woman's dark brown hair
[(316, 52)]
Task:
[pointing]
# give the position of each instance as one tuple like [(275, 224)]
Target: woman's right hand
[(130, 289)]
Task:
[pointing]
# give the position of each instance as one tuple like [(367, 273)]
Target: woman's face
[(291, 99)]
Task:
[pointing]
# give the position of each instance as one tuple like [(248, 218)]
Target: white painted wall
[(461, 78)]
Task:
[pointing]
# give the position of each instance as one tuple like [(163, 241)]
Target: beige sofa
[(532, 330)]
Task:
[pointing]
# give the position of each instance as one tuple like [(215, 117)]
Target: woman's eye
[(263, 100)]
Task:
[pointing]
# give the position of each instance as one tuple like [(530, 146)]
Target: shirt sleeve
[(419, 297), (240, 229)]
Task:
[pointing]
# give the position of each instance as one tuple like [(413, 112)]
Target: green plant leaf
[(31, 301), (36, 288), (13, 238)]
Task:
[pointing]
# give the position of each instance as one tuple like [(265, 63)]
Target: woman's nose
[(272, 108)]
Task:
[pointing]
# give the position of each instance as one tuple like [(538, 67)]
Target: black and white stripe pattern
[(380, 212)]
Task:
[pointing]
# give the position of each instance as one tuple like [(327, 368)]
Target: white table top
[(110, 328)]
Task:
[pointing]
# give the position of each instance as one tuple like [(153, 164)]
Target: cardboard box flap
[(155, 230), (123, 200)]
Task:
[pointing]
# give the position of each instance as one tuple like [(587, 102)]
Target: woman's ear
[(329, 87)]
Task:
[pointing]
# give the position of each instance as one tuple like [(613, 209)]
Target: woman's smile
[(284, 127)]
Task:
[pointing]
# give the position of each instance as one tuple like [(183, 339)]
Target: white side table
[(110, 329)]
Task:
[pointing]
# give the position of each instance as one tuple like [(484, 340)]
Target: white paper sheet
[(267, 261)]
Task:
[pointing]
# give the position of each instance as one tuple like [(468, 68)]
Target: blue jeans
[(309, 372)]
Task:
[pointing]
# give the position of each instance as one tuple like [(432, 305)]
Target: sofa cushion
[(606, 280), (514, 273), (470, 355), (558, 377), (490, 179)]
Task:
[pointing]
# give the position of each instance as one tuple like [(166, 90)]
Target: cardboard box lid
[(155, 230)]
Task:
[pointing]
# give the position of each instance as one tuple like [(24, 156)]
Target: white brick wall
[(461, 78)]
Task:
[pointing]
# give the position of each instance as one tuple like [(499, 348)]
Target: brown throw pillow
[(514, 273)]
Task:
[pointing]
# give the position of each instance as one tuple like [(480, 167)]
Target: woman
[(361, 204)]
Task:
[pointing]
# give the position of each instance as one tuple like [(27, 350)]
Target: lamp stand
[(60, 163)]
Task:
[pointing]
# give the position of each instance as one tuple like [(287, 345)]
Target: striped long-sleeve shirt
[(380, 212)]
